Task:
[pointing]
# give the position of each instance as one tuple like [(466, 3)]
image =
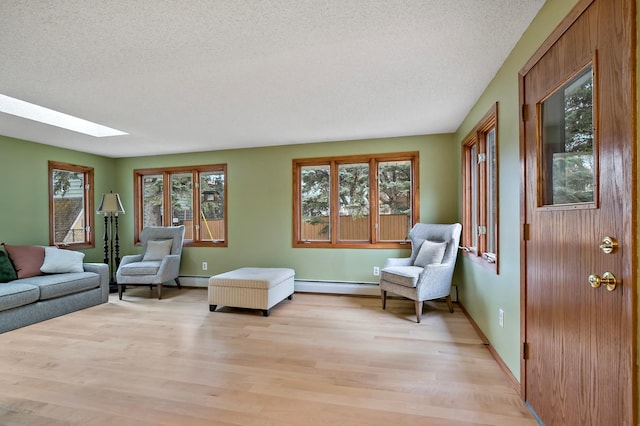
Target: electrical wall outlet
[(204, 266), (500, 317), (376, 271)]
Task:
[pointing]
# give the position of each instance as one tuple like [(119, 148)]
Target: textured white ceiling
[(197, 75)]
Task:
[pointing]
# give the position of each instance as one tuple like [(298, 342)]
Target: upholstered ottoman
[(253, 288)]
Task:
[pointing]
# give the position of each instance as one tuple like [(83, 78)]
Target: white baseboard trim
[(310, 286), (360, 289), (302, 286), (192, 281)]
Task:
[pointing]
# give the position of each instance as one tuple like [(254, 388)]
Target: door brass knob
[(609, 245), (608, 279)]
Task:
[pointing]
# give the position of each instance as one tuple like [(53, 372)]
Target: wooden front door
[(578, 155)]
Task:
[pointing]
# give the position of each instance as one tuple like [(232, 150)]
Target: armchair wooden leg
[(449, 303), (120, 290), (384, 299), (178, 283), (418, 310), (159, 291)]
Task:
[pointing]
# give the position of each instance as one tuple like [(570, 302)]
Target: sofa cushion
[(140, 268), (402, 275), (27, 260), (52, 286), (430, 252), (13, 295), (58, 261), (157, 249), (7, 273)]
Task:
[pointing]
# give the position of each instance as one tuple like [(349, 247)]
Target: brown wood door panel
[(580, 367)]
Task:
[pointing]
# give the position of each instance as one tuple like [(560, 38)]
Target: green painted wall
[(260, 205), (24, 216), (259, 201), (481, 292)]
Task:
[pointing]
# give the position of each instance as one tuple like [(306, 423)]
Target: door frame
[(630, 237)]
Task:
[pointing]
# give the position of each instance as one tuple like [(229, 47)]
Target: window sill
[(204, 244), (198, 244), (353, 245), (74, 246)]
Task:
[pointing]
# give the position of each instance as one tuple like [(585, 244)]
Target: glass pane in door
[(567, 143)]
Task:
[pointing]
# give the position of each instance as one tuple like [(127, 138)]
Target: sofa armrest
[(102, 269)]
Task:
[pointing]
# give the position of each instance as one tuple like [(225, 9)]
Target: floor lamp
[(111, 207)]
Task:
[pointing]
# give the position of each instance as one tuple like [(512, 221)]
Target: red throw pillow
[(27, 260)]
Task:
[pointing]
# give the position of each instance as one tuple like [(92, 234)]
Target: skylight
[(44, 115)]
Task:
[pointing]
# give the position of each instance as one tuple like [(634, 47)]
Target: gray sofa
[(29, 300)]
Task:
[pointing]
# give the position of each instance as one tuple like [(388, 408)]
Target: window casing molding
[(79, 232), (373, 232), (203, 211), (480, 192)]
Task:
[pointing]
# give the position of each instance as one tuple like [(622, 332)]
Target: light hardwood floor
[(317, 360)]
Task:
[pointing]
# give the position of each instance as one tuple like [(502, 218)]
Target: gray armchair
[(159, 261), (427, 274)]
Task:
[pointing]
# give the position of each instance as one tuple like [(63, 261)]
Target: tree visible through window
[(355, 201), (568, 155), (190, 196), (70, 205)]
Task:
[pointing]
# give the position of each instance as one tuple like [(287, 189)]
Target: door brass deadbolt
[(608, 279)]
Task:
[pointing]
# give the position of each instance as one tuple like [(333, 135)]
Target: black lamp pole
[(117, 240), (106, 241), (111, 206)]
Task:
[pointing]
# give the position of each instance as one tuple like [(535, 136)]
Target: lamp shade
[(110, 204)]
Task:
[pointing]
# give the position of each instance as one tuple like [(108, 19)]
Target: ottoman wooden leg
[(265, 312), (212, 308)]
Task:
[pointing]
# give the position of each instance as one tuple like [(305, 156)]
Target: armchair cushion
[(430, 253), (157, 249), (407, 276), (150, 267)]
